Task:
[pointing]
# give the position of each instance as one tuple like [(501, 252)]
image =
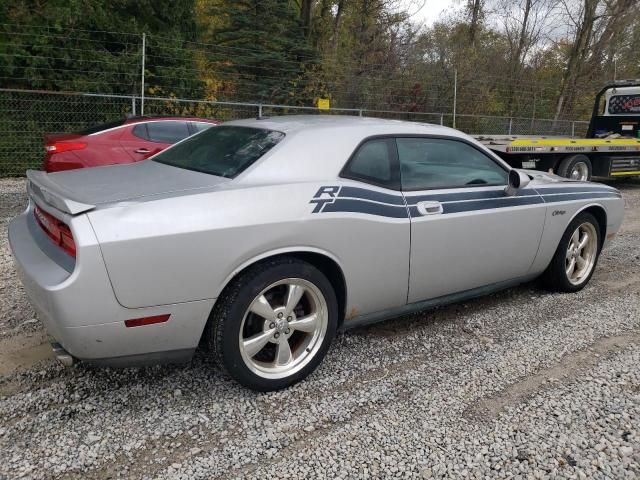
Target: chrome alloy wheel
[(283, 328), (581, 253), (580, 171)]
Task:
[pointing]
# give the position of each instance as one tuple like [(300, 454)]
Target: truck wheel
[(576, 167)]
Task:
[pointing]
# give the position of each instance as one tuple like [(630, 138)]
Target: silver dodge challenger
[(260, 238)]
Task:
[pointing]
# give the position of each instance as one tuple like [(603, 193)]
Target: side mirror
[(517, 181)]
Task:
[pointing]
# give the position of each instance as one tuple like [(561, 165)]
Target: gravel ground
[(15, 312), (521, 384)]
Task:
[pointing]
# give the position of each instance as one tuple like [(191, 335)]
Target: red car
[(123, 141)]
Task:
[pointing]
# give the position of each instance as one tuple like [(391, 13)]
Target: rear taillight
[(58, 147), (56, 230)]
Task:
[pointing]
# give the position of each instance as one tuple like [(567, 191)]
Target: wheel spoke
[(581, 262), (584, 241), (575, 238), (305, 324), (294, 294), (254, 344), (261, 307), (283, 353), (269, 342), (571, 267)]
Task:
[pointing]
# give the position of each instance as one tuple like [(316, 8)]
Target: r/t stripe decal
[(323, 196), (359, 206), (347, 199)]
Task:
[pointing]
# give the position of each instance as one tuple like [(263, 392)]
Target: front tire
[(575, 259), (273, 324)]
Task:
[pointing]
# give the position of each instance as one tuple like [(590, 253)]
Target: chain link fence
[(27, 115)]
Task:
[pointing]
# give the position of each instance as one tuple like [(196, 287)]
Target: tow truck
[(611, 147)]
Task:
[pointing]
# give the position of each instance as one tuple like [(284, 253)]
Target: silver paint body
[(153, 239)]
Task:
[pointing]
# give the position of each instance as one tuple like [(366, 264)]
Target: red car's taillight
[(57, 230), (58, 147)]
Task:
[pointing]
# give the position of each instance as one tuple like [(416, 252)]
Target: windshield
[(224, 151)]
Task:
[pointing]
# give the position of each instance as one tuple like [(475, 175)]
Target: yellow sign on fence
[(324, 104)]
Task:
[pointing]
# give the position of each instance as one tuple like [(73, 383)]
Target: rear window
[(101, 127), (621, 104), (224, 151)]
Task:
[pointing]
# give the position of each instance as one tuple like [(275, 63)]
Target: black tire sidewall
[(567, 164), (557, 267), (229, 331)]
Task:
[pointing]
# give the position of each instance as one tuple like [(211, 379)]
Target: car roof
[(150, 118), (369, 125), (317, 146)]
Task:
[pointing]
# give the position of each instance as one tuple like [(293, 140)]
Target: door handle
[(142, 150), (429, 208)]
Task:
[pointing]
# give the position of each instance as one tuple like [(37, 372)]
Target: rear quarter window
[(200, 126), (140, 131), (101, 127), (167, 131), (374, 162)]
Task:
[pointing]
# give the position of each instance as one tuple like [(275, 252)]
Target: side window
[(140, 131), (374, 163), (428, 163), (167, 131)]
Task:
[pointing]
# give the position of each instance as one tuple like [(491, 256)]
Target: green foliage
[(259, 50), (359, 53), (76, 45)]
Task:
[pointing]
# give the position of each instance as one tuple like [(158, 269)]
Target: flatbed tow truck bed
[(610, 148), (614, 157)]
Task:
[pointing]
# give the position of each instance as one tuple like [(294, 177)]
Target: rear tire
[(273, 324), (576, 167), (573, 265)]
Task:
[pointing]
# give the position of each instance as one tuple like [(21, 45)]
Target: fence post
[(510, 125), (360, 112), (573, 129), (144, 39), (455, 95), (133, 106), (441, 119), (259, 111), (533, 115)]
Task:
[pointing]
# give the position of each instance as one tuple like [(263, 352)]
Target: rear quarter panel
[(186, 248), (103, 149)]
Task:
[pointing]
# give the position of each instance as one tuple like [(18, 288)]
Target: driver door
[(465, 231)]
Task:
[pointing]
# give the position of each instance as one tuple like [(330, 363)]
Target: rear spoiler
[(39, 185)]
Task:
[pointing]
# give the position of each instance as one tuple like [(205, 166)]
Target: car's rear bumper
[(79, 309)]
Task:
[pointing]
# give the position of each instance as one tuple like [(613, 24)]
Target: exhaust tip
[(64, 357)]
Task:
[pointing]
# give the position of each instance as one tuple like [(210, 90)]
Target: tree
[(578, 52), (260, 50), (78, 45), (525, 23), (475, 12)]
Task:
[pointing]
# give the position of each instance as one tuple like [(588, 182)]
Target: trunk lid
[(51, 138), (78, 191)]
